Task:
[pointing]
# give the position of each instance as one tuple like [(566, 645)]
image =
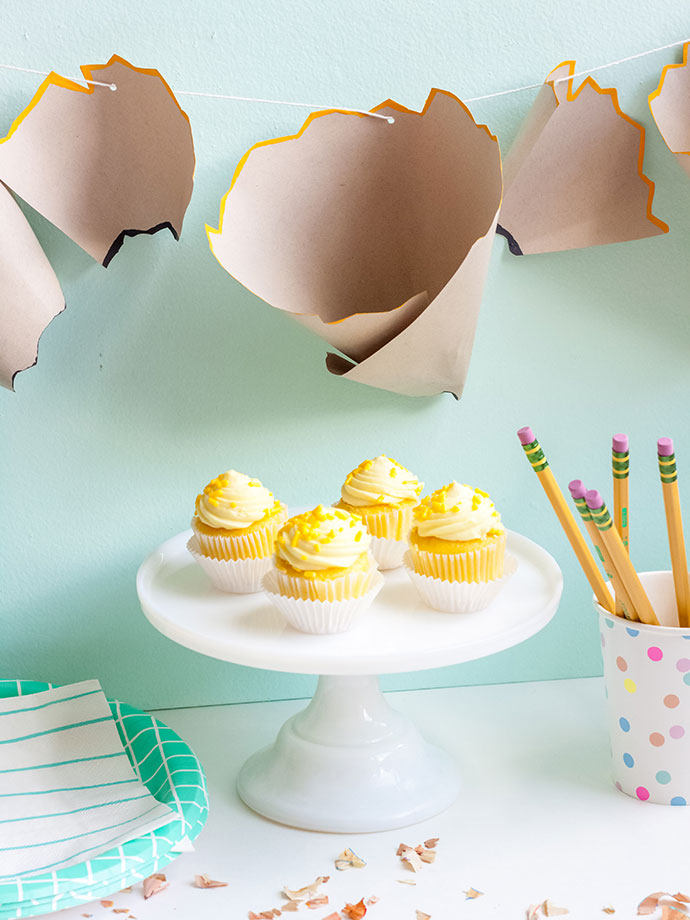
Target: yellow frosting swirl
[(325, 538), (233, 501), (380, 481), (457, 512)]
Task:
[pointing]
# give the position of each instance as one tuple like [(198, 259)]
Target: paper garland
[(671, 111), (377, 236), (573, 177), (100, 165)]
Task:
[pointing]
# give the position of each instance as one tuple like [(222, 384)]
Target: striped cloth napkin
[(67, 789)]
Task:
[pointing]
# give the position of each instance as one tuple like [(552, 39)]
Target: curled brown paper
[(30, 294), (669, 106), (573, 177), (376, 236), (99, 164)]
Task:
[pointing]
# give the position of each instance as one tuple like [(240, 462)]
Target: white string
[(388, 118), (304, 105), (45, 73), (580, 73)]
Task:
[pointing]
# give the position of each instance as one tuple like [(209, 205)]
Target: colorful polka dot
[(632, 632), (621, 663), (657, 739), (671, 701), (609, 623), (628, 760), (654, 653), (624, 724), (630, 685), (678, 800), (676, 731), (683, 664), (663, 777), (642, 793), (686, 679)]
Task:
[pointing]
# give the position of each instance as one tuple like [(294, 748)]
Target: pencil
[(624, 606), (620, 465), (674, 525), (620, 559), (540, 465)]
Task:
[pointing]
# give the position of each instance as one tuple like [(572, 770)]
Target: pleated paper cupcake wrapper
[(479, 565), (459, 596), (352, 584), (394, 524), (388, 553), (321, 617), (234, 576), (258, 544)]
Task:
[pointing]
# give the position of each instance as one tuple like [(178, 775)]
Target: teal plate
[(171, 773)]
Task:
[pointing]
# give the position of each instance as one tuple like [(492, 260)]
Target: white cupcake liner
[(458, 596), (388, 553), (235, 576), (257, 544), (321, 617)]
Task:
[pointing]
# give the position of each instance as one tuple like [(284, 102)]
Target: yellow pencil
[(620, 465), (624, 606), (674, 525), (619, 558), (536, 457)]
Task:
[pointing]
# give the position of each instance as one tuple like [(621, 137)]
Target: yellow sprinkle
[(358, 536)]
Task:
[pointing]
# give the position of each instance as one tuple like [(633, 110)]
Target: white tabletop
[(538, 818), (399, 632)]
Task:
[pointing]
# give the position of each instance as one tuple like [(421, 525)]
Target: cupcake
[(235, 525), (457, 549), (384, 494), (324, 575)]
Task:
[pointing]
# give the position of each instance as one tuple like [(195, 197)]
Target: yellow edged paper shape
[(573, 177), (376, 236), (100, 165), (670, 106)]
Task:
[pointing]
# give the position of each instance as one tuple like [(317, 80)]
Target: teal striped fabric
[(159, 760)]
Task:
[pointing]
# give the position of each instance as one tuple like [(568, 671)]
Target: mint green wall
[(164, 371)]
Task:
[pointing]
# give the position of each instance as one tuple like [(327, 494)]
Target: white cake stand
[(348, 762)]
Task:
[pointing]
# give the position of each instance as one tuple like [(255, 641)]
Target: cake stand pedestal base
[(348, 763)]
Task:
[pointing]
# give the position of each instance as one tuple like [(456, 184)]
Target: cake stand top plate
[(398, 634)]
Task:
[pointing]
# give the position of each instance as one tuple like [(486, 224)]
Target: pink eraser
[(593, 499), (620, 443), (526, 435), (664, 447), (577, 488)]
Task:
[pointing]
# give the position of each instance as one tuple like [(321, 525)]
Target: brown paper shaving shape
[(573, 177), (30, 294), (376, 236), (669, 106), (98, 164)]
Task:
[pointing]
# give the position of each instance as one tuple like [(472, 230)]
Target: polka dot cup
[(647, 675)]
